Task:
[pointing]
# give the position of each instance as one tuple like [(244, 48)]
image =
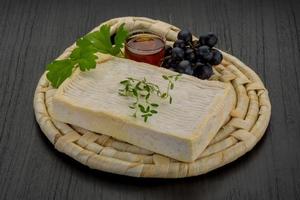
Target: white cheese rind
[(180, 130)]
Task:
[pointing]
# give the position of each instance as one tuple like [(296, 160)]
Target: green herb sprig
[(83, 56), (141, 91), (171, 79)]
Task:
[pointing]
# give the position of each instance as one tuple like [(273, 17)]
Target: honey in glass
[(145, 47)]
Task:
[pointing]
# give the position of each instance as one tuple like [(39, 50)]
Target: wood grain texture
[(263, 34)]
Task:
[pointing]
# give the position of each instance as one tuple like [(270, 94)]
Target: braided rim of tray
[(243, 130)]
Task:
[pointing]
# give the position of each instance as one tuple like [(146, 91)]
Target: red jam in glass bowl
[(145, 47)]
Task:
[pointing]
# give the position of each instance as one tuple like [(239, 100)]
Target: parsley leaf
[(101, 40), (120, 37), (83, 56), (59, 70)]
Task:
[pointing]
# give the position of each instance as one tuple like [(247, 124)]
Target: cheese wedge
[(180, 130)]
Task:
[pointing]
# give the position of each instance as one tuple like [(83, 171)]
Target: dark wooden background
[(264, 34)]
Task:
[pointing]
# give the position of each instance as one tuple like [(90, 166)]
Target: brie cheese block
[(180, 130)]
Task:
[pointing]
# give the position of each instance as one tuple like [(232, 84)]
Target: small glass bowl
[(145, 46)]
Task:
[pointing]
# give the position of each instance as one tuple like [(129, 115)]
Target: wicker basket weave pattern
[(244, 128)]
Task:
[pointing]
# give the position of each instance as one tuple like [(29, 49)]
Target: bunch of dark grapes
[(190, 57)]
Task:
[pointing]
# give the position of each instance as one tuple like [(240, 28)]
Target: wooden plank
[(263, 34)]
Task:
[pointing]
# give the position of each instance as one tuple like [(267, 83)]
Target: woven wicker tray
[(242, 131)]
